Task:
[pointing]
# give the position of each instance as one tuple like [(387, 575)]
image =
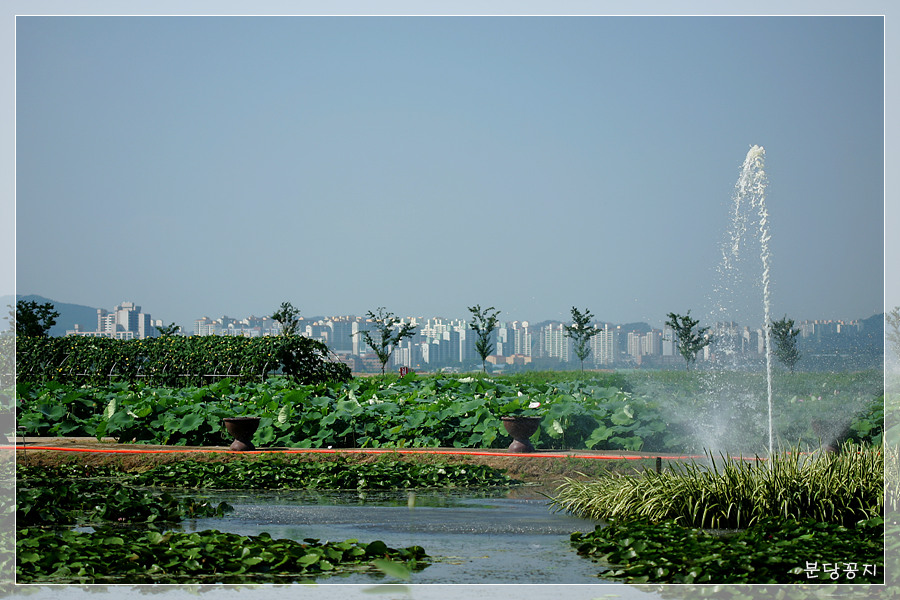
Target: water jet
[(748, 212)]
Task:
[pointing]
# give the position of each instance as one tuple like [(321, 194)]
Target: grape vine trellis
[(173, 360)]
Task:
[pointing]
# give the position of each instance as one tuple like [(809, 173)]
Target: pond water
[(470, 537)]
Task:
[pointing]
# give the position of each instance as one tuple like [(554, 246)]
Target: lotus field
[(641, 411)]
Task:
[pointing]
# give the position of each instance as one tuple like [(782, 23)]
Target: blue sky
[(209, 166)]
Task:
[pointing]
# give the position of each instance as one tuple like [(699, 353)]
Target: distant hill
[(69, 314), (873, 328), (639, 327)]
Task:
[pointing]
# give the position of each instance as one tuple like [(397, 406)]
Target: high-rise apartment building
[(125, 322), (668, 341), (250, 327), (522, 339), (652, 342), (503, 347), (635, 348), (554, 342), (603, 346), (645, 344), (343, 333)]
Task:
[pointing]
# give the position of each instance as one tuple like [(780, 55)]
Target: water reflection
[(443, 497), (472, 536)]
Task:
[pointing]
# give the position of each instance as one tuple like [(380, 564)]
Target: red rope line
[(364, 451)]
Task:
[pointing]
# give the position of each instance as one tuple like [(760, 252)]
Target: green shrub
[(838, 488), (174, 360)]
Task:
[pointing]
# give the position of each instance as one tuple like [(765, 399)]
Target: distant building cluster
[(818, 328), (449, 344), (250, 327), (124, 322)]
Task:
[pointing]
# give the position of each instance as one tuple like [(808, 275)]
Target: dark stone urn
[(521, 428), (242, 430)]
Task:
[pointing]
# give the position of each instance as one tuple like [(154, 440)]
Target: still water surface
[(471, 538)]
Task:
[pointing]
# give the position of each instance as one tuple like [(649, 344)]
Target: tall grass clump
[(841, 488)]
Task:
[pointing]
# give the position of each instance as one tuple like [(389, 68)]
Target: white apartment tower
[(603, 346), (125, 322), (521, 338), (555, 343)]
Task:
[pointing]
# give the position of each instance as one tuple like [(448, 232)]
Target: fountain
[(749, 207)]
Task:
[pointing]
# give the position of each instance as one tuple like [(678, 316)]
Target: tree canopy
[(484, 322), (289, 318), (689, 340), (581, 332), (784, 336), (31, 319), (390, 332), (170, 329)]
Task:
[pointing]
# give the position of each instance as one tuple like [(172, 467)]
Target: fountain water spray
[(749, 196)]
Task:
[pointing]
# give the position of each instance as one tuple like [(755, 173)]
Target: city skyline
[(437, 343), (428, 164), (422, 317), (190, 325)]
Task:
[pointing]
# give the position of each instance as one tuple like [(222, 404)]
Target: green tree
[(581, 332), (484, 322), (390, 332), (289, 318), (170, 329), (32, 319), (689, 340), (785, 337)]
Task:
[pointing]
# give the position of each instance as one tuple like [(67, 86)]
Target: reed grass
[(730, 493)]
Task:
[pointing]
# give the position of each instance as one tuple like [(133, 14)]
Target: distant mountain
[(69, 314), (873, 327)]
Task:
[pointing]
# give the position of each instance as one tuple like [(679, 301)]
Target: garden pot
[(521, 428), (242, 429)]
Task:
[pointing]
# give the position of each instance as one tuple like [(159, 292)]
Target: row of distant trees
[(690, 338), (387, 330)]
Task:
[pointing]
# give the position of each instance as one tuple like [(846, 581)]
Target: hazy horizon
[(188, 325)]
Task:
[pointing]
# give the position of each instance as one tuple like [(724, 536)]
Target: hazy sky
[(220, 165)]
